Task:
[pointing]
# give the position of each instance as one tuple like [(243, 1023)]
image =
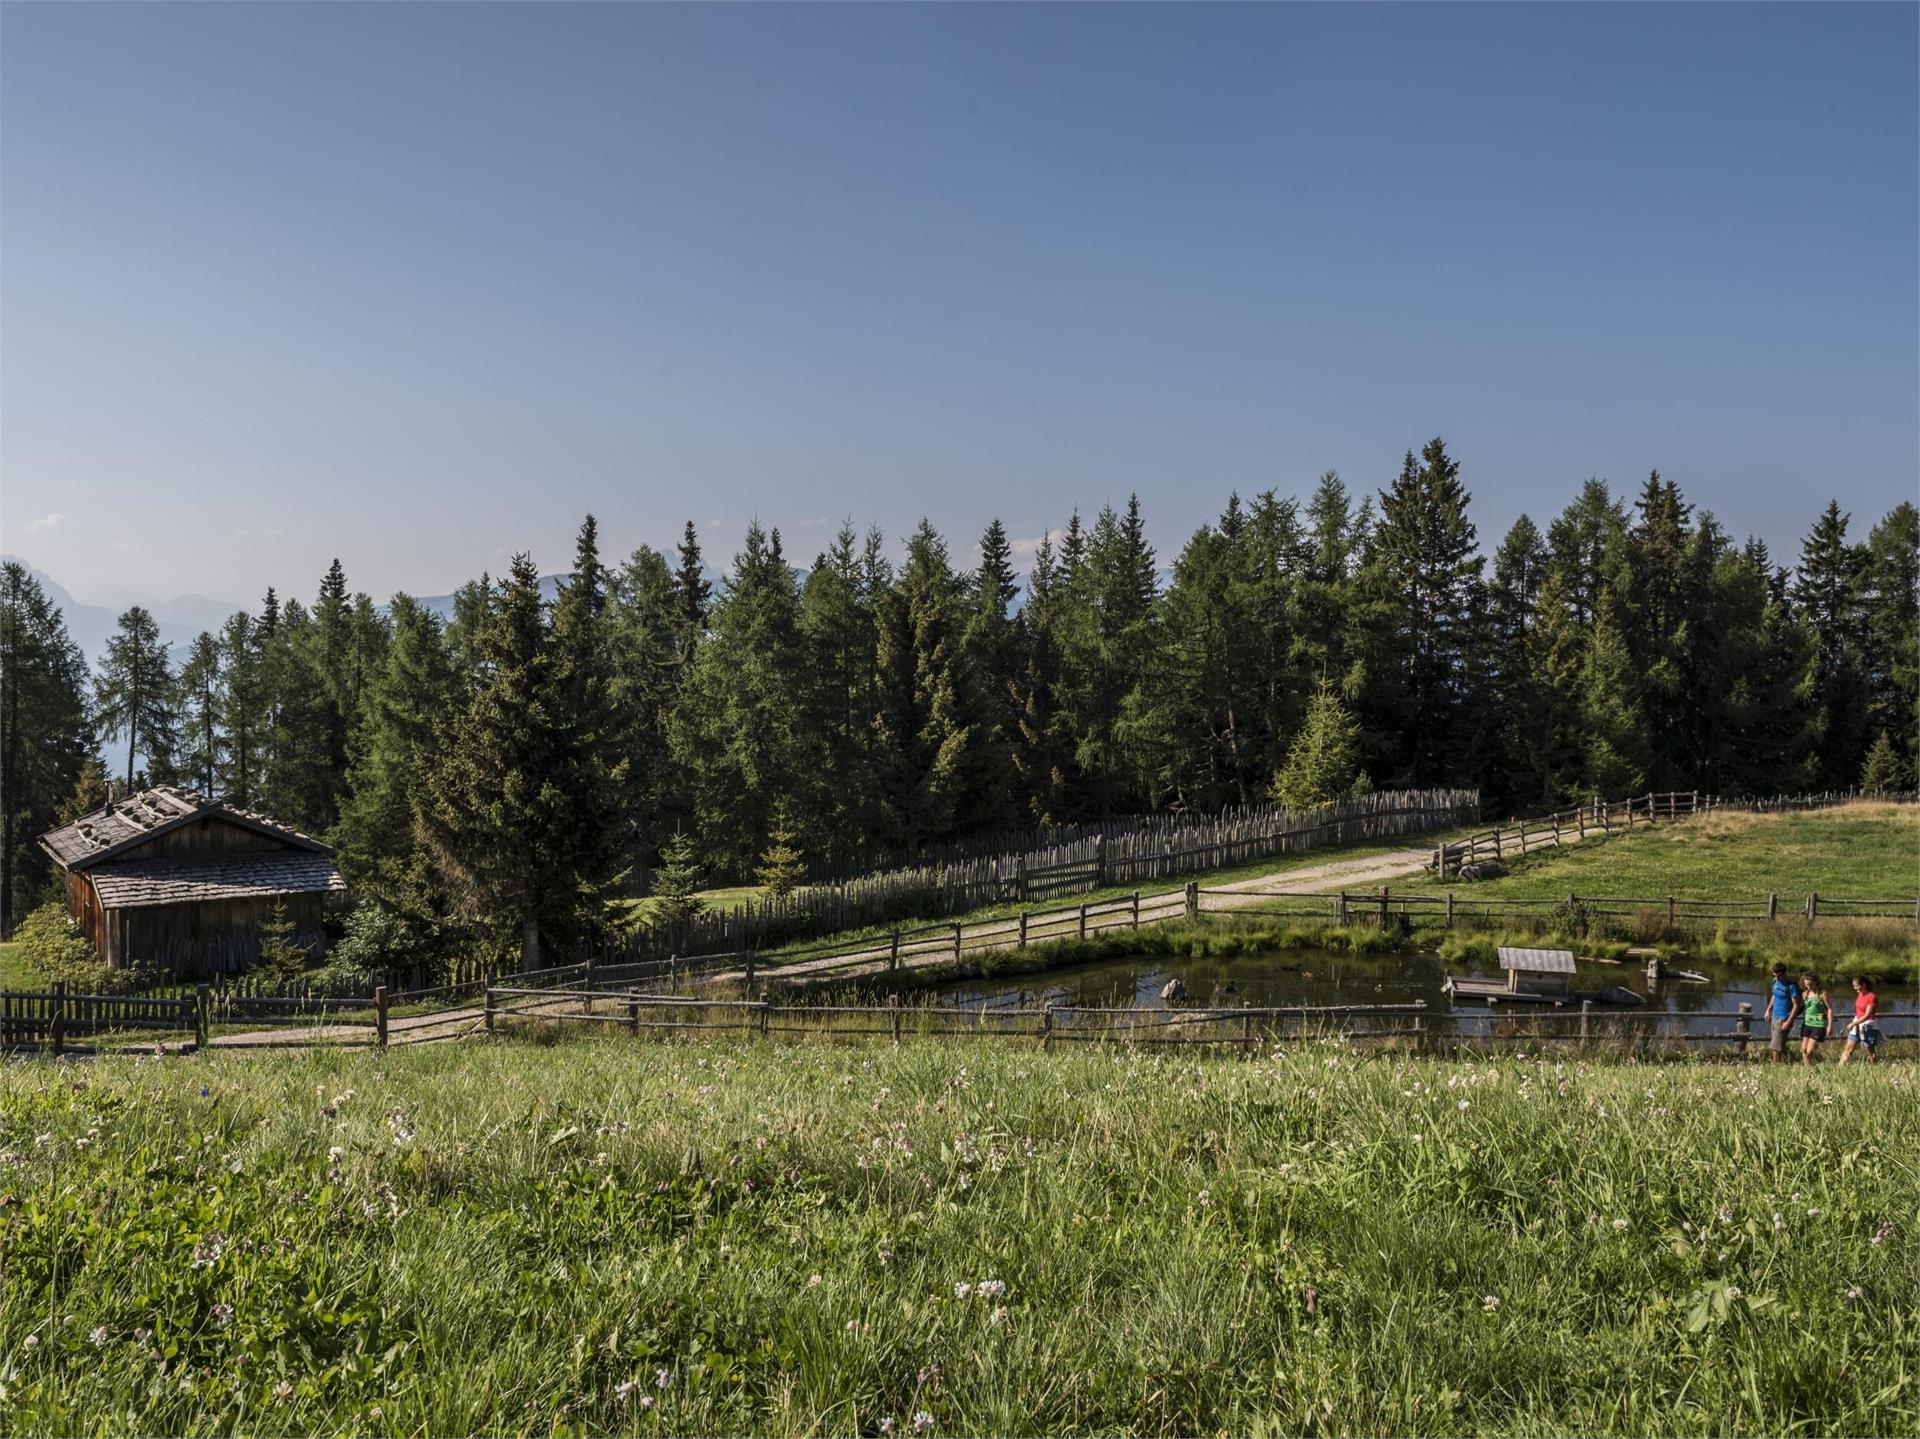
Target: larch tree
[(133, 694)]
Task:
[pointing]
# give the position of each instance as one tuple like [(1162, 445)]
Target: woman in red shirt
[(1863, 1030)]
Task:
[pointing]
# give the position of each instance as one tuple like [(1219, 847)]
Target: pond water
[(1323, 977)]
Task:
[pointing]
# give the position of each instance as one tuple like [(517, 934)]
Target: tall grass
[(601, 1237)]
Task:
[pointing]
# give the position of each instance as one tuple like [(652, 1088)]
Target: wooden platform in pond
[(1495, 991)]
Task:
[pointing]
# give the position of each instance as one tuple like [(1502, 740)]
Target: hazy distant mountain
[(442, 605), (179, 619)]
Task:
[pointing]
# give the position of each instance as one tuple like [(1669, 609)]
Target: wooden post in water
[(1743, 1028), (1193, 900), (380, 1015)]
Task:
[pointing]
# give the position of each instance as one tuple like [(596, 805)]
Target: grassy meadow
[(604, 1236), (1862, 851)]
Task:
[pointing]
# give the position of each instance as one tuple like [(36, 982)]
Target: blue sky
[(419, 285)]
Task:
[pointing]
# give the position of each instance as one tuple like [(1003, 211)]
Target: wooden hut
[(1537, 972), (174, 880)]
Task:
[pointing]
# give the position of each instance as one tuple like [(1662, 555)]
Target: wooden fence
[(1248, 1029), (1578, 912), (1144, 849), (54, 1019), (1603, 817)]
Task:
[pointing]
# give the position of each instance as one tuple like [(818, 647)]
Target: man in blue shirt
[(1783, 1010)]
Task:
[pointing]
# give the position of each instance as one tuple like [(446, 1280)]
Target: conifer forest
[(491, 778)]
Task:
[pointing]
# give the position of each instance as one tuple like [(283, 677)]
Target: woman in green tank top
[(1816, 1015)]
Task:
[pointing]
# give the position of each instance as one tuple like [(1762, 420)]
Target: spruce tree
[(782, 865), (676, 901), (1828, 591), (694, 591), (1415, 623), (644, 636), (133, 694), (407, 702), (496, 805), (739, 736), (592, 774), (838, 629), (1884, 771), (46, 741)]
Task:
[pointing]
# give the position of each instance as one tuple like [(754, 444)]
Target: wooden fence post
[(893, 1004), (893, 953), (1246, 1033), (1136, 909), (1023, 929), (1099, 861), (59, 1026), (1020, 874), (1669, 912), (1743, 1027), (1046, 1027), (1383, 909), (202, 1003), (1083, 921), (1813, 907), (380, 1015), (633, 1016), (750, 981), (490, 1009), (1449, 909), (1773, 908), (1193, 900), (589, 980), (764, 1008), (1586, 1015)]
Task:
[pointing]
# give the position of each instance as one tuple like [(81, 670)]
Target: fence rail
[(1244, 1027)]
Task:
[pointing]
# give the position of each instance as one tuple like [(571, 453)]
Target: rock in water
[(1175, 988)]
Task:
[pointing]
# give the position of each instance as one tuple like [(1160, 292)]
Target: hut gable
[(170, 878), (166, 820)]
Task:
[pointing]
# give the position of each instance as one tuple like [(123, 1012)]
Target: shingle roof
[(1537, 961), (127, 822), (138, 883)]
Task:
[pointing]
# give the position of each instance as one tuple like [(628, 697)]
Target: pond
[(1325, 977)]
